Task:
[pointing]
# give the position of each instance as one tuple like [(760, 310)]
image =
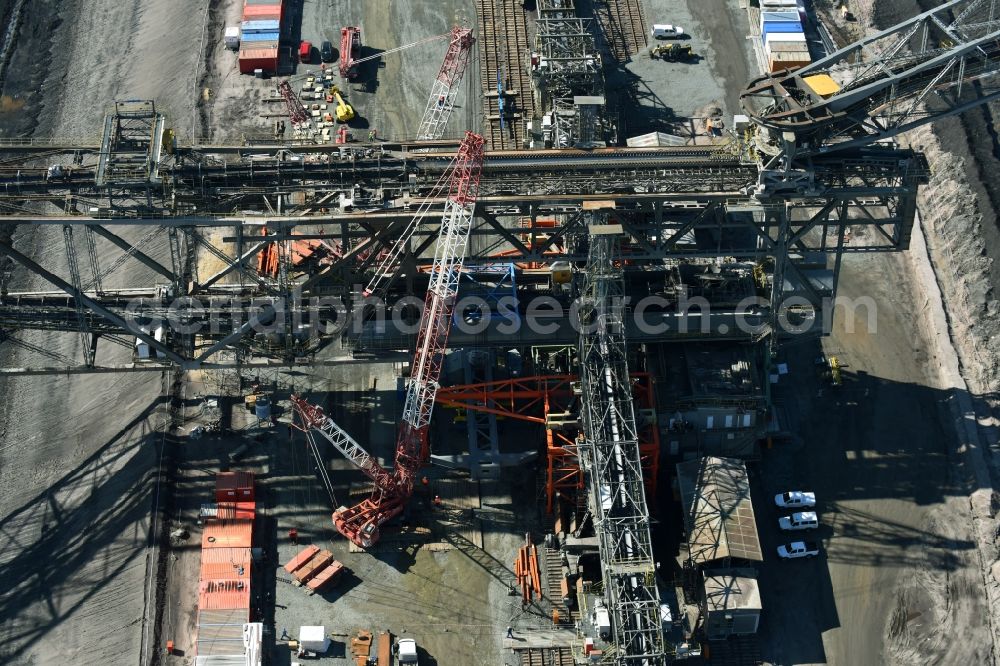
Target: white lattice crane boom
[(441, 102)]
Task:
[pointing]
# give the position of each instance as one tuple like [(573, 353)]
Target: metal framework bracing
[(674, 204), (939, 63), (808, 176), (566, 69), (614, 464), (565, 61)]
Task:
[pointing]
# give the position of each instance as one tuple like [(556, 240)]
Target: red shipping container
[(227, 534), (253, 11), (225, 564), (223, 595), (264, 59), (234, 486), (262, 12)]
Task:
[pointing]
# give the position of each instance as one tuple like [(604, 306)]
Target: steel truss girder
[(873, 189), (621, 516), (885, 81)]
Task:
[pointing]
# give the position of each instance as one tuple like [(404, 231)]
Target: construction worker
[(437, 500), (293, 536), (371, 135), (510, 632)]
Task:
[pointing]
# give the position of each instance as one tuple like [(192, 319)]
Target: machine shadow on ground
[(850, 448), (51, 540)]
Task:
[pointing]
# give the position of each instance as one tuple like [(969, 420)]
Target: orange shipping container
[(236, 510), (779, 60), (225, 564), (227, 534), (261, 13), (264, 59), (223, 595), (253, 10)]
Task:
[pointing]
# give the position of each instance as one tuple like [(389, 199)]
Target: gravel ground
[(79, 486), (669, 96), (389, 98), (932, 607)]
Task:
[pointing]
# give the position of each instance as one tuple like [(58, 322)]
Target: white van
[(666, 31)]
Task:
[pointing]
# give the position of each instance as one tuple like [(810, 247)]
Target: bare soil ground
[(79, 455)]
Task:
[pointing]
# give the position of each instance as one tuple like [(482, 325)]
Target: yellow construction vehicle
[(672, 52), (344, 111)]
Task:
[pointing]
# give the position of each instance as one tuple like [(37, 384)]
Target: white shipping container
[(769, 17), (233, 38), (314, 639), (779, 47), (776, 37)]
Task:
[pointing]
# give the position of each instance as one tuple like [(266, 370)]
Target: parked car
[(666, 31), (797, 549), (794, 499), (326, 52), (305, 51), (803, 520)]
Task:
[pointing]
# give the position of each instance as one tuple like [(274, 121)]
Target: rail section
[(622, 25), (503, 48)]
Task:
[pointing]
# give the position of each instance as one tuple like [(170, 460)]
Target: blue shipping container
[(781, 26), (261, 37), (249, 27)]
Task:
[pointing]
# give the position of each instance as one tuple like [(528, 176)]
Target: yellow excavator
[(344, 111)]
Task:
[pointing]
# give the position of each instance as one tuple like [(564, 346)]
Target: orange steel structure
[(547, 400)]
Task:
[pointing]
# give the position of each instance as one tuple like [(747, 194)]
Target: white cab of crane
[(601, 619), (406, 651)]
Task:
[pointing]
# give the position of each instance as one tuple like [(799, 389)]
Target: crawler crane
[(391, 490)]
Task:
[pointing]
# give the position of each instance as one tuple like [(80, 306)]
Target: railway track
[(623, 29), (503, 49)]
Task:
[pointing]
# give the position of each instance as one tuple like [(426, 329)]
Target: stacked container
[(784, 40), (224, 582), (260, 33)]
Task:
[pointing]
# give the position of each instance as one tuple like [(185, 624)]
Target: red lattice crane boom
[(296, 111), (362, 523), (350, 51)]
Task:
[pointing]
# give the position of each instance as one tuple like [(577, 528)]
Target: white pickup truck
[(666, 31)]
